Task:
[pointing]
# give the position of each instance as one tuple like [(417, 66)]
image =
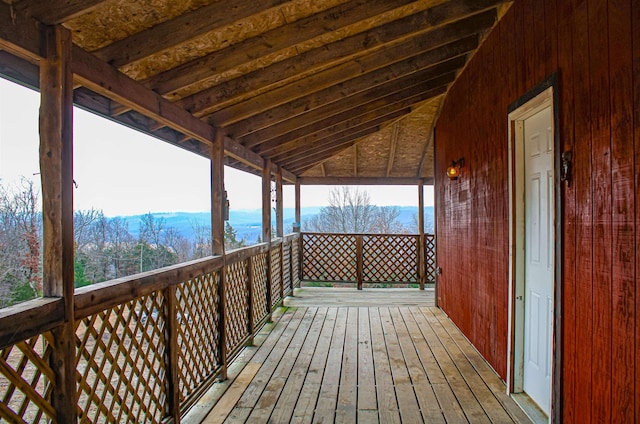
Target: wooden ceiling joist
[(346, 50), (294, 82), (178, 80)]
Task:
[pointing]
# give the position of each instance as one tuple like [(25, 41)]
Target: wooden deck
[(375, 356)]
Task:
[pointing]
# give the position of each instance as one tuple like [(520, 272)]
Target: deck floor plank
[(384, 358)]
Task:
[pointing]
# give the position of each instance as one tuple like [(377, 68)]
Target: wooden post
[(217, 238), (359, 260), (282, 270), (250, 278), (297, 205), (279, 204), (56, 174), (173, 389), (266, 227), (421, 247)]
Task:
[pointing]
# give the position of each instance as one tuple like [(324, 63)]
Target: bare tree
[(350, 211)]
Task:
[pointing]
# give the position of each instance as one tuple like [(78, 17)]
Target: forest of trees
[(104, 247)]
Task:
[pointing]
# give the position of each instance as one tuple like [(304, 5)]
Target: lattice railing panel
[(275, 275), (25, 381), (430, 263), (390, 258), (329, 257), (236, 304), (260, 305), (295, 259), (121, 363), (198, 335), (286, 266)]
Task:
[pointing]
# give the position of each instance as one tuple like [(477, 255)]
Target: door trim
[(543, 95)]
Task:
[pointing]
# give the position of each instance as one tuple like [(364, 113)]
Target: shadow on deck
[(374, 356)]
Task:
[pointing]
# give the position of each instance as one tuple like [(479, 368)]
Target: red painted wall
[(594, 45)]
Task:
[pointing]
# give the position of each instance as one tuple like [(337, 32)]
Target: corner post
[(359, 260), (421, 246), (297, 205), (266, 227), (56, 174), (279, 204), (217, 238)]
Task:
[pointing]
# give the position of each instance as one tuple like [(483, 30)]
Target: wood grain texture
[(591, 44)]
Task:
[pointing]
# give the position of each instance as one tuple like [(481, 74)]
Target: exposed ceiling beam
[(180, 29), (179, 79), (357, 105), (393, 143), (363, 181), (355, 160), (345, 50), (53, 12), (19, 34), (373, 119), (337, 83), (326, 127), (427, 145)]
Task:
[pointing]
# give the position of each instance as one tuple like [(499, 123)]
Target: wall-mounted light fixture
[(453, 171)]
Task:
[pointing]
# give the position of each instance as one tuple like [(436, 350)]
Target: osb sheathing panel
[(114, 20), (412, 132)]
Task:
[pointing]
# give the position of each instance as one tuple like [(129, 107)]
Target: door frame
[(543, 95)]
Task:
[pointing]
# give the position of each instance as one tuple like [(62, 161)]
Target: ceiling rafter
[(53, 12), (180, 78), (348, 49), (393, 144)]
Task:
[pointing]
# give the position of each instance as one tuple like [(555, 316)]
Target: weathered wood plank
[(303, 411), (387, 402), (56, 11), (228, 401), (325, 411), (405, 394), (291, 392), (348, 391), (367, 400), (427, 401), (285, 362)]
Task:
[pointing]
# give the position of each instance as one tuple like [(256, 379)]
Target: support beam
[(392, 147), (56, 11), (266, 201), (297, 205), (362, 181), (355, 160), (421, 249), (56, 173), (279, 204), (217, 191)]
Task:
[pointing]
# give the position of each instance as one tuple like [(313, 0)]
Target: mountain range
[(247, 223)]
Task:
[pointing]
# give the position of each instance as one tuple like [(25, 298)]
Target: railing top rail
[(363, 234)]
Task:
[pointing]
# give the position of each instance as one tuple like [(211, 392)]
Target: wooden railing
[(367, 258), (146, 346)]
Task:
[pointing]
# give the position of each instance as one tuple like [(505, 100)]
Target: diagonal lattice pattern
[(329, 257), (276, 279), (430, 257), (198, 334), (286, 267), (121, 362), (390, 258), (25, 381), (236, 311), (260, 306)]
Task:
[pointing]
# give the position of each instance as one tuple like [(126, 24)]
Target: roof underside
[(328, 90)]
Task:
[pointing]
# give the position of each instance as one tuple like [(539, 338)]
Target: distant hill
[(248, 223)]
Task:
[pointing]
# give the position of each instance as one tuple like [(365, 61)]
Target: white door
[(539, 256)]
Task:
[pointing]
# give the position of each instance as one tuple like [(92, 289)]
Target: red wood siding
[(595, 47)]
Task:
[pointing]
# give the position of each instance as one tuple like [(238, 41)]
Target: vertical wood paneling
[(566, 113), (601, 175), (584, 222), (623, 283), (635, 14), (595, 47)]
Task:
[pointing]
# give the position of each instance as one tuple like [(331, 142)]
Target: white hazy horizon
[(124, 172)]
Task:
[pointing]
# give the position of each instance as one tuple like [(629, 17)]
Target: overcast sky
[(124, 172)]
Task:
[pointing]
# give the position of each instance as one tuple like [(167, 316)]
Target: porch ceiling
[(326, 89)]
